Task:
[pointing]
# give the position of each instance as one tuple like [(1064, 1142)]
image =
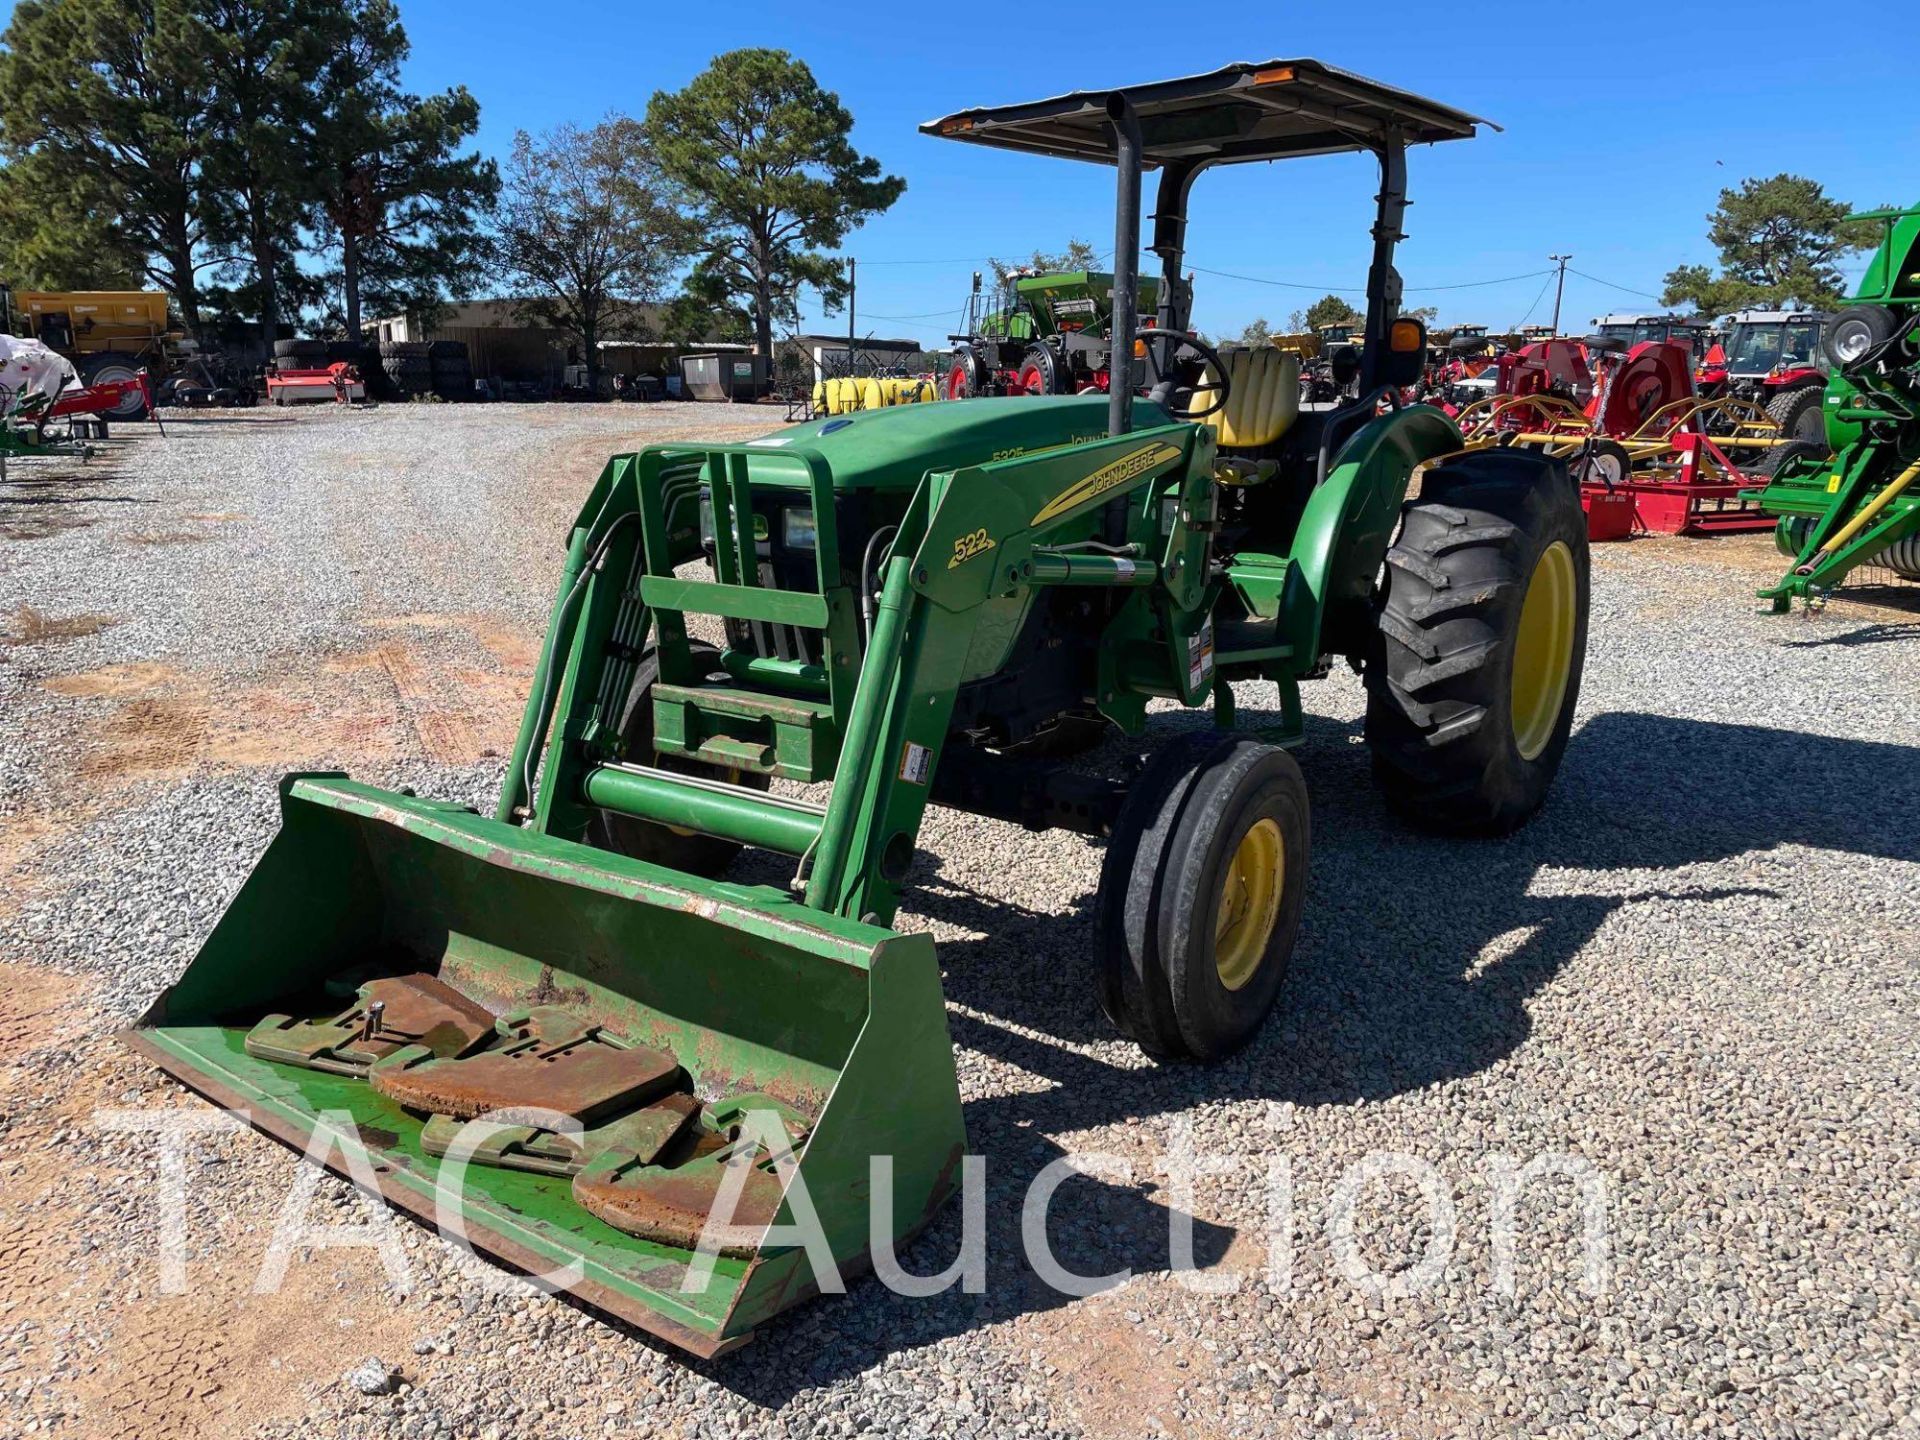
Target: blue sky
[(1618, 132)]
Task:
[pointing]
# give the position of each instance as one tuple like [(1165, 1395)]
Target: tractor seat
[(1263, 397)]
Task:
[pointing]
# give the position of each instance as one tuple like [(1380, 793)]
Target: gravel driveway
[(1690, 987)]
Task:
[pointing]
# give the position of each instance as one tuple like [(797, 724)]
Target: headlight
[(797, 528)]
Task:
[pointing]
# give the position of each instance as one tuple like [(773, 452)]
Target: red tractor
[(1776, 359)]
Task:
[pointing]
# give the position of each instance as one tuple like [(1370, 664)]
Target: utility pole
[(1559, 288), (853, 267)]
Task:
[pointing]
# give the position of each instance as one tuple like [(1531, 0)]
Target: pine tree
[(763, 153)]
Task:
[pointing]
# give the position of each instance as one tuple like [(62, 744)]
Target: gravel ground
[(1696, 974)]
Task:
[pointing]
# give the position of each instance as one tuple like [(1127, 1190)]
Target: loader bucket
[(395, 966)]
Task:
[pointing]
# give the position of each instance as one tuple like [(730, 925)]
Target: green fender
[(1349, 522)]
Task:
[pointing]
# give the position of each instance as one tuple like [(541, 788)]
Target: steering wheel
[(1209, 358)]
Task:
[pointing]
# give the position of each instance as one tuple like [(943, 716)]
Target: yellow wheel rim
[(1543, 650), (1249, 903)]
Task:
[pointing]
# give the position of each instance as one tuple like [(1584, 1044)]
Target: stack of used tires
[(407, 368), (452, 370), (302, 354)]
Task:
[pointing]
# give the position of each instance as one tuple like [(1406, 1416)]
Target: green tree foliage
[(1697, 288), (117, 98), (1258, 332), (399, 204), (150, 142), (259, 191), (1331, 310), (1079, 255), (48, 241), (1779, 239), (704, 311), (586, 231), (763, 155)]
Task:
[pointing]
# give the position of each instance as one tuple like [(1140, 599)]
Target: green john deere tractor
[(675, 1073), (1862, 506)]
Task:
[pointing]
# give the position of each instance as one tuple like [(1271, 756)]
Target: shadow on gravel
[(1417, 958), (1418, 953), (1865, 635), (1409, 972), (1096, 1228)]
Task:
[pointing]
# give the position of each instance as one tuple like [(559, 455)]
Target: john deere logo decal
[(968, 546), (1130, 466)]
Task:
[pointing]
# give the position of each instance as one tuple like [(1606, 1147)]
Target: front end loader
[(562, 1030)]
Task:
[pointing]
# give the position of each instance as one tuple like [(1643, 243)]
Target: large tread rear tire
[(1441, 699), (1798, 414), (1780, 457)]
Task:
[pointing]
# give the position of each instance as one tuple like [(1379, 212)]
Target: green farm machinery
[(1044, 332), (566, 1032), (1862, 506)]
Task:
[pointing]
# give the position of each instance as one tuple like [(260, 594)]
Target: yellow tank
[(131, 320)]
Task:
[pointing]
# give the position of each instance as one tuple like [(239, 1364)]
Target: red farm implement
[(1633, 426), (86, 411)]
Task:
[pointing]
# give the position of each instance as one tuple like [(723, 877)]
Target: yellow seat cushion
[(1263, 397)]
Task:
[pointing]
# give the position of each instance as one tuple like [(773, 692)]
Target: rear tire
[(704, 855), (1481, 637), (1798, 414), (1779, 457), (1039, 372), (1200, 896)]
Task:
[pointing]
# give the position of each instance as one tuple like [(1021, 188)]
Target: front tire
[(1200, 896), (1481, 637)]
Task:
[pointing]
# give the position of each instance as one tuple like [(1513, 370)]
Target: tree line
[(262, 163), (258, 160), (1780, 240)]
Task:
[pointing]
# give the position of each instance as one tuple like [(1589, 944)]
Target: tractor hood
[(893, 448)]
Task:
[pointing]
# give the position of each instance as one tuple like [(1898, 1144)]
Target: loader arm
[(974, 547)]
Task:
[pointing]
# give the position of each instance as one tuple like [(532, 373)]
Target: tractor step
[(736, 728)]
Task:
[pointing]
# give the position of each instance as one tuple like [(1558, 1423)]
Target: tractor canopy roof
[(1274, 110), (1777, 317)]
